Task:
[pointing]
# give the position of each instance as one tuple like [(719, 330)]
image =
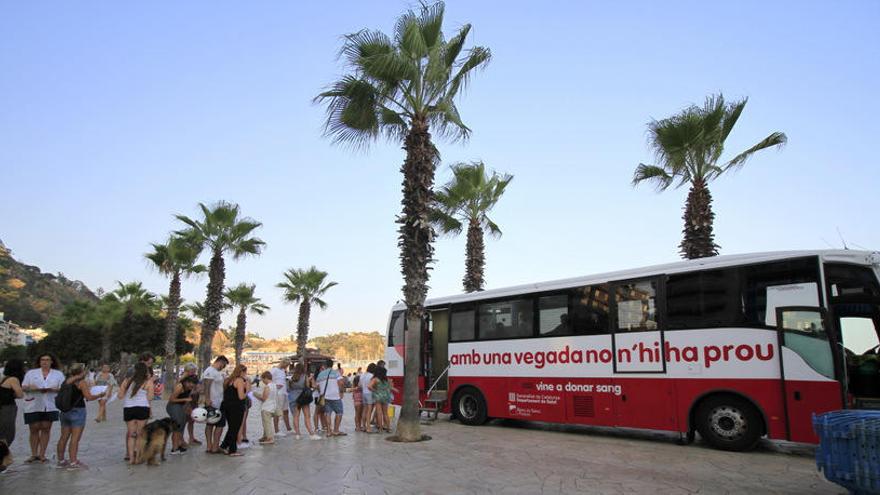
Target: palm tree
[(242, 297), (222, 230), (108, 312), (688, 147), (176, 258), (305, 287), (401, 89), (469, 197)]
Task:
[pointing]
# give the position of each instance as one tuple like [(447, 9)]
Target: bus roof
[(839, 255)]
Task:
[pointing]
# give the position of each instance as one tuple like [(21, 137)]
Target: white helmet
[(199, 414), (214, 416)]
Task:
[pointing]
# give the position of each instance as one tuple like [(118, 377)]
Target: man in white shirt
[(279, 378), (332, 385), (212, 380)]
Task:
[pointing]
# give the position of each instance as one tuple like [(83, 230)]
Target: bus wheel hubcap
[(468, 407), (728, 422)]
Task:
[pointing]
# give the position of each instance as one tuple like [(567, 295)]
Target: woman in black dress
[(235, 389)]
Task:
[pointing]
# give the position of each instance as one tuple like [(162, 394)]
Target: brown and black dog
[(152, 441), (5, 456)]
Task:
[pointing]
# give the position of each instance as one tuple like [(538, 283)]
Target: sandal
[(32, 459), (235, 454)]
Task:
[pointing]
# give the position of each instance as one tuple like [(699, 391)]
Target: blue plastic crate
[(849, 449)]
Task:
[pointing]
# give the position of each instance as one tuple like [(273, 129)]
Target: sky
[(116, 116)]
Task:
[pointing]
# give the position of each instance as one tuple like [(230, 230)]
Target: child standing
[(267, 395), (357, 395)]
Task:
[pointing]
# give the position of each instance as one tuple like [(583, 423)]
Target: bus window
[(849, 280), (553, 317), (461, 326), (636, 306), (783, 283), (395, 333), (804, 333), (706, 299), (506, 319), (589, 310)]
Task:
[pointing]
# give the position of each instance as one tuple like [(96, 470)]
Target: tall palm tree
[(688, 148), (468, 198), (402, 87), (176, 258), (221, 230), (242, 297), (305, 287)]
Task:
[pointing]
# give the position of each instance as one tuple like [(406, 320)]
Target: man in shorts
[(332, 386), (279, 378), (212, 380)]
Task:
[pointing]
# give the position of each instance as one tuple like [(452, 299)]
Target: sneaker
[(298, 437), (76, 465), (176, 452), (314, 437), (280, 434), (62, 464), (244, 445), (182, 450)]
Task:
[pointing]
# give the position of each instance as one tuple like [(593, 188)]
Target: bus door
[(439, 348), (811, 389), (643, 396)]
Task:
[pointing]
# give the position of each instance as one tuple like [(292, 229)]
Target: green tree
[(221, 230), (468, 198), (305, 287), (175, 259), (688, 148), (241, 297), (402, 88)]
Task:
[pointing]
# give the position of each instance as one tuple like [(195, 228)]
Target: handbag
[(305, 397)]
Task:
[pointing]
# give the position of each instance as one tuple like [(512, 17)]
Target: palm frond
[(661, 178), (777, 139)]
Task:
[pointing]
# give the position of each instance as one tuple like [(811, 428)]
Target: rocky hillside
[(30, 297)]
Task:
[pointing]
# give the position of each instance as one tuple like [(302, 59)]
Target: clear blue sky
[(115, 116)]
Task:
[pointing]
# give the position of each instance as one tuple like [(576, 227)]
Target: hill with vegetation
[(30, 297)]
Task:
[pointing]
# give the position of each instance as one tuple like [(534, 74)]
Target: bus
[(734, 347)]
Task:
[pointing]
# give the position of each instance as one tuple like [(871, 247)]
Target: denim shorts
[(369, 400), (75, 418), (333, 406)]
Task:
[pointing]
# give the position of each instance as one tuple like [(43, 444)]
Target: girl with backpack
[(71, 401)]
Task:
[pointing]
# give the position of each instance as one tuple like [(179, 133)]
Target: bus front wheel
[(729, 423), (470, 407)]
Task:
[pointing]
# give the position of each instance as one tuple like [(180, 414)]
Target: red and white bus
[(683, 347)]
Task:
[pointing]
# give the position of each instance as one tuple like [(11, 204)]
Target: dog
[(5, 456), (153, 439)]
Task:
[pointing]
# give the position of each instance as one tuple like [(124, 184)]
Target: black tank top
[(7, 395), (77, 396), (230, 396)]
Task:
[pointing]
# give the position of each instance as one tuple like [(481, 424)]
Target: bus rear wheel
[(729, 423), (470, 407)]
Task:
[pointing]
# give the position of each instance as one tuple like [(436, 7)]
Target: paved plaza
[(502, 457)]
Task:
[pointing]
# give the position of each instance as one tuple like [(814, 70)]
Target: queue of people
[(289, 401)]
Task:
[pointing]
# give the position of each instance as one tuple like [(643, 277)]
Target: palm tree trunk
[(213, 308), (699, 239), (416, 237), (302, 331), (105, 342), (475, 258), (240, 326), (171, 335)]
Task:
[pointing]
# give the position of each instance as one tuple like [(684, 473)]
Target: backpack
[(64, 399)]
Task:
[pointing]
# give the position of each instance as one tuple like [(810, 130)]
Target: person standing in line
[(73, 422), (300, 400), (243, 442), (266, 393), (357, 396), (235, 390), (279, 377), (40, 386), (332, 384), (10, 389), (177, 407), (138, 392), (147, 359), (104, 378), (212, 383), (369, 401), (190, 370), (382, 389)]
